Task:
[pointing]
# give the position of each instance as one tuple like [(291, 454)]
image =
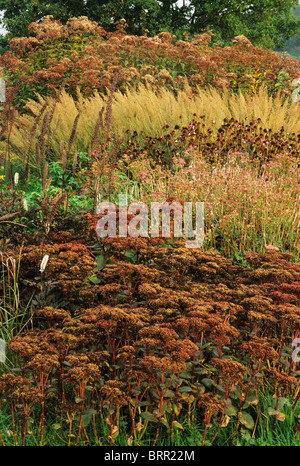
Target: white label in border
[(2, 350)]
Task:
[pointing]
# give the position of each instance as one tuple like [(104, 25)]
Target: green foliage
[(264, 22), (292, 46)]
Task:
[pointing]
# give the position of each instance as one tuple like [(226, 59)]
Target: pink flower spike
[(273, 248)]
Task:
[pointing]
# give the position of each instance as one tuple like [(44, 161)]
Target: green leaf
[(149, 417), (131, 255), (143, 403), (272, 411), (169, 394), (165, 423), (185, 375), (56, 426), (101, 261), (178, 425), (284, 362), (94, 280), (280, 401), (220, 387), (90, 411), (230, 409), (184, 389), (86, 419), (247, 420), (252, 400), (208, 383)]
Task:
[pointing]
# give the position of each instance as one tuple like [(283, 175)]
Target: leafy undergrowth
[(57, 433), (145, 341)]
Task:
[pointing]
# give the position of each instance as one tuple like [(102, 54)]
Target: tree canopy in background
[(268, 23), (292, 46)]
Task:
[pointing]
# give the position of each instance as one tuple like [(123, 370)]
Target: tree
[(265, 22), (292, 46)]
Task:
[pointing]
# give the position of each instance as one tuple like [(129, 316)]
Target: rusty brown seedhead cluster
[(160, 336), (88, 56)]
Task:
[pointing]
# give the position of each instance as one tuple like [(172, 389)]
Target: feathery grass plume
[(45, 127), (37, 155), (56, 99), (30, 135), (2, 158), (64, 157), (50, 206), (51, 114), (98, 125), (73, 133), (108, 109), (67, 152), (7, 121), (64, 162), (8, 111), (30, 142), (146, 110), (106, 155), (45, 180), (55, 206)]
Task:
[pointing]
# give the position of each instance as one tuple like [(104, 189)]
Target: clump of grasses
[(145, 110), (14, 315)]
